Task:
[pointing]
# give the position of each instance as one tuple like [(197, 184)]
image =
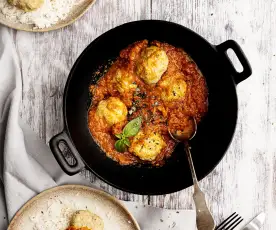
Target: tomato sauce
[(146, 101)]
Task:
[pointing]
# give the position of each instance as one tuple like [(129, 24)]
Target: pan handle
[(247, 71), (54, 145)]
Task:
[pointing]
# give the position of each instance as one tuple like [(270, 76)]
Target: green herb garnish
[(142, 95), (120, 146), (130, 130)]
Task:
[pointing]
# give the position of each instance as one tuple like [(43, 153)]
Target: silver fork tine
[(223, 223), (239, 220), (230, 223)]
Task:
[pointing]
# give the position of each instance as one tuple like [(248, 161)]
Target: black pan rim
[(71, 74)]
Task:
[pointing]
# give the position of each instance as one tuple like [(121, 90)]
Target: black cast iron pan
[(214, 134)]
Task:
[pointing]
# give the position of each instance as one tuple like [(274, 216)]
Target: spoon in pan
[(204, 219)]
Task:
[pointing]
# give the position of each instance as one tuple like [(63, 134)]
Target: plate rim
[(53, 27), (108, 196)]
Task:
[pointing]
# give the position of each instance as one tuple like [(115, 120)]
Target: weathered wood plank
[(47, 59), (245, 180)]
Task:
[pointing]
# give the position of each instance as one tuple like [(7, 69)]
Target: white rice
[(55, 216), (49, 14)]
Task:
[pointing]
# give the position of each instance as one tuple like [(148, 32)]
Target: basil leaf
[(126, 142), (120, 146), (119, 136), (132, 127)]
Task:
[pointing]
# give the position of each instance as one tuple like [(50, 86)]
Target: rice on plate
[(51, 12)]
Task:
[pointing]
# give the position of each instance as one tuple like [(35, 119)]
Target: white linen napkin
[(28, 166)]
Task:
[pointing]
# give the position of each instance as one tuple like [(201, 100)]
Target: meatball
[(173, 87), (113, 110), (27, 5), (147, 145), (86, 219), (73, 228), (152, 64), (124, 81)]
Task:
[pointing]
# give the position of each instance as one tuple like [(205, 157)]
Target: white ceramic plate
[(75, 14), (52, 209)]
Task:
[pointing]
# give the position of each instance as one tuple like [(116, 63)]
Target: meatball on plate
[(154, 82), (73, 207), (85, 220)]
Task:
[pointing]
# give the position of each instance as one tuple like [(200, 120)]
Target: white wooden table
[(245, 180)]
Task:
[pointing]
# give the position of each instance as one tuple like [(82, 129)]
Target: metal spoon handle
[(204, 219), (191, 164)]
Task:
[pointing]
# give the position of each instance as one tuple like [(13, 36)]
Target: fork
[(230, 223)]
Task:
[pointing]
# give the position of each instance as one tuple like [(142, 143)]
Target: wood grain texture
[(245, 180)]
